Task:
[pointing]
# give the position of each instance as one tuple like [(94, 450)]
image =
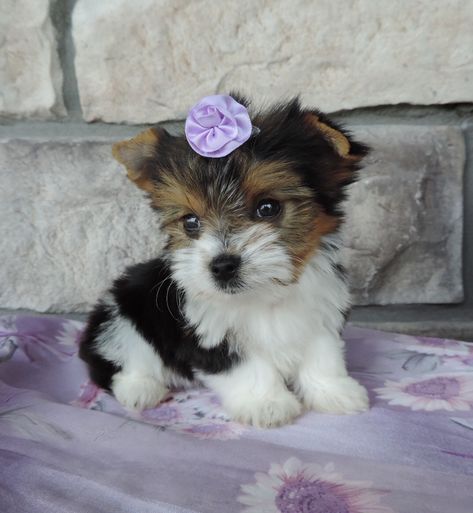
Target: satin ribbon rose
[(217, 125)]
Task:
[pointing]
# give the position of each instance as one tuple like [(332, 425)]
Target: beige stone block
[(30, 72)]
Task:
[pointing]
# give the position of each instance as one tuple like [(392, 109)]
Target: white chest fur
[(277, 323)]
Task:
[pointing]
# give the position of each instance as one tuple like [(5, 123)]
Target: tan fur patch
[(301, 253), (336, 138), (175, 199), (274, 179), (175, 195), (134, 152)]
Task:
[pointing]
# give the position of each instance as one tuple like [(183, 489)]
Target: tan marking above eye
[(173, 194), (273, 180)]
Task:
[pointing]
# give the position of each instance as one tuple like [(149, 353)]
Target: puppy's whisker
[(180, 295), (167, 302), (160, 284)]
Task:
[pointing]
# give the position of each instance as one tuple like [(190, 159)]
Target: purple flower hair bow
[(217, 125)]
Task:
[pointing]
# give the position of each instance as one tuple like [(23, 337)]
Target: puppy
[(249, 296)]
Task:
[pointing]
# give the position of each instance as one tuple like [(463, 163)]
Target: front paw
[(339, 395), (265, 412), (137, 392)]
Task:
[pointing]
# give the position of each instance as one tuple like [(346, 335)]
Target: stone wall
[(339, 54), (75, 76)]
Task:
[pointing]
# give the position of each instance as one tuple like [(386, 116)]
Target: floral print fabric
[(78, 450)]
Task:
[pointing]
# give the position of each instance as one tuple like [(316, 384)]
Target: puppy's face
[(249, 222)]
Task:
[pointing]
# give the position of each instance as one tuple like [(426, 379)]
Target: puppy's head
[(248, 222)]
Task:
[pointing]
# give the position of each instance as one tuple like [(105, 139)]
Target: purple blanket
[(66, 446)]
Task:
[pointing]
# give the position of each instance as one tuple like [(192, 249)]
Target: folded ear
[(342, 144), (136, 155)]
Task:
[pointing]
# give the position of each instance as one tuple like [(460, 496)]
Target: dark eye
[(268, 208), (191, 223)]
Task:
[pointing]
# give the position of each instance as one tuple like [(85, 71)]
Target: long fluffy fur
[(268, 344)]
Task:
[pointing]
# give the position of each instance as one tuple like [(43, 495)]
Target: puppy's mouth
[(233, 287), (239, 286)]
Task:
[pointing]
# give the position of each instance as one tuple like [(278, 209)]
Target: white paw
[(341, 395), (137, 392), (265, 412)]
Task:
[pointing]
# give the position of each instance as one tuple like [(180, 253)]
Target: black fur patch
[(147, 296), (101, 371)]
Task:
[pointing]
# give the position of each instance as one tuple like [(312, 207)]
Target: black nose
[(225, 267)]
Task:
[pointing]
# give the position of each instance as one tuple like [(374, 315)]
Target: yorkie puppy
[(249, 296)]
